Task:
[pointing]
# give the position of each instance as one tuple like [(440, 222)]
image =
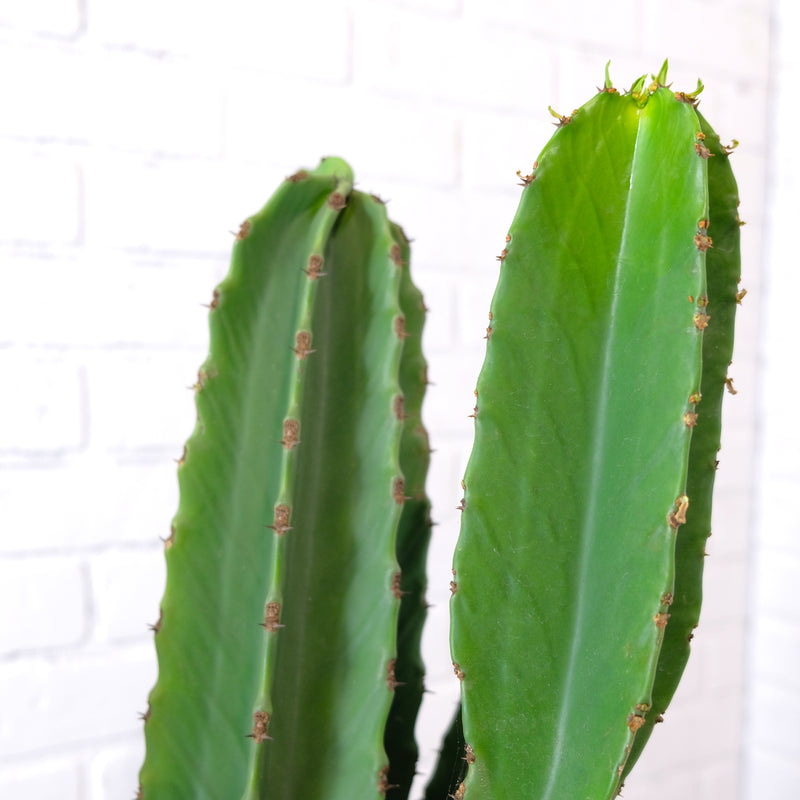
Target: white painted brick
[(461, 63), (142, 204), (774, 651), (777, 528), (308, 38), (731, 520), (46, 779), (40, 197), (449, 8), (440, 300), (305, 38), (60, 18), (379, 137), (687, 41), (535, 18), (725, 581), (127, 586), (102, 298), (51, 102), (721, 656), (50, 704), (45, 601), (720, 778), (156, 105), (775, 726), (777, 583), (771, 775), (90, 501), (141, 400), (46, 412), (114, 772), (496, 146), (171, 26)]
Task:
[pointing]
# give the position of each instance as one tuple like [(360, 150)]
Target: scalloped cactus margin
[(289, 636)]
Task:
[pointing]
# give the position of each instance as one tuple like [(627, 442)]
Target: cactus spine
[(277, 646), (583, 472)]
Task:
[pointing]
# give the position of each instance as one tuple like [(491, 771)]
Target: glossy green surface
[(566, 553), (723, 274), (321, 665)]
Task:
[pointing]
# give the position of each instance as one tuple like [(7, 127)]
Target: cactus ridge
[(576, 490), (722, 269), (276, 674)]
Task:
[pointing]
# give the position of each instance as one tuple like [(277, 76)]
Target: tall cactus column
[(277, 643), (577, 490)]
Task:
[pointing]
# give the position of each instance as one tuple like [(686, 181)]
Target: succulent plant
[(288, 644)]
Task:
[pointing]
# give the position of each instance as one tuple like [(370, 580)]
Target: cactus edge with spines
[(596, 431), (301, 507)]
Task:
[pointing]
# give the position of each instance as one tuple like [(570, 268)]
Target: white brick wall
[(135, 136), (772, 740)]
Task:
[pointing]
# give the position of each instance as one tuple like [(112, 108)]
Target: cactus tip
[(608, 86), (661, 78), (638, 91)]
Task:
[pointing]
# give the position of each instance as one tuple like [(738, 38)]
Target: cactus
[(595, 446), (301, 503), (289, 639)]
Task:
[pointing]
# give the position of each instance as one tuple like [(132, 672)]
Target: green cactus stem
[(579, 481), (277, 644)]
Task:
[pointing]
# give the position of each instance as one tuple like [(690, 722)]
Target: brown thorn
[(156, 626), (280, 523), (400, 327), (458, 671), (314, 267), (272, 617), (677, 516), (260, 727), (302, 346), (690, 419), (400, 407), (391, 679), (298, 176), (396, 582), (396, 255), (661, 620), (729, 386), (469, 754), (244, 230), (398, 491), (337, 201)]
